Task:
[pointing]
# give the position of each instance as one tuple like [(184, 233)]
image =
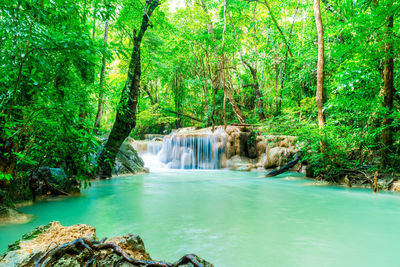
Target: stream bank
[(47, 182)]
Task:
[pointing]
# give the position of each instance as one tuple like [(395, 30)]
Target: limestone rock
[(128, 160), (10, 215), (396, 186), (238, 163), (44, 239), (133, 245), (34, 244), (347, 181), (278, 156)]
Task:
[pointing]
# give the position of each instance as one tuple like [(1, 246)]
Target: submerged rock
[(9, 215), (77, 245)]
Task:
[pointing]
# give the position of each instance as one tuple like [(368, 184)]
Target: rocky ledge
[(77, 245)]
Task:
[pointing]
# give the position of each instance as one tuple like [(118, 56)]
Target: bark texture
[(320, 96), (388, 93), (125, 119)]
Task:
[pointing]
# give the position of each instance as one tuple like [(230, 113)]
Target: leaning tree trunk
[(320, 98), (125, 119), (388, 93), (101, 85)]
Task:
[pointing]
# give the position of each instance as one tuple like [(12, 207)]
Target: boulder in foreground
[(77, 245)]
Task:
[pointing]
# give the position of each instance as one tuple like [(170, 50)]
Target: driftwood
[(285, 168), (55, 254)]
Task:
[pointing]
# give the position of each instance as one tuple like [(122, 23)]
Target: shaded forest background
[(64, 68)]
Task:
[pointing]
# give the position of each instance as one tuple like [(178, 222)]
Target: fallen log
[(285, 168)]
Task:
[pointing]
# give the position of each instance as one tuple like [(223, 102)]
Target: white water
[(183, 151)]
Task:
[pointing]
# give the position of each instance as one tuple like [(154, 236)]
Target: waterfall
[(184, 150)]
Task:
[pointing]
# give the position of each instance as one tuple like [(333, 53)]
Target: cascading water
[(148, 151), (184, 150)]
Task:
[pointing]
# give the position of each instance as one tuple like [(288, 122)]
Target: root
[(93, 245)]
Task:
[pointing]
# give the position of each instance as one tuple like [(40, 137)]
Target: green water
[(235, 219)]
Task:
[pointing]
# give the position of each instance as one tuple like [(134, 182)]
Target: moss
[(35, 232), (27, 236)]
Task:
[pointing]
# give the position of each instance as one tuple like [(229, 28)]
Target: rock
[(234, 141), (346, 181), (260, 148), (42, 241), (383, 184), (395, 186), (154, 136), (9, 215), (240, 164), (260, 138), (57, 179), (128, 160), (34, 244), (244, 167), (133, 245), (278, 156)]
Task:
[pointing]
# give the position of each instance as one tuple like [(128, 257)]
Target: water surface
[(234, 218)]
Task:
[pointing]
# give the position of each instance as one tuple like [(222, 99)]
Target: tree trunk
[(101, 85), (223, 65), (320, 97), (253, 71), (238, 113), (125, 119), (279, 106), (214, 86), (388, 93), (152, 101), (260, 106)]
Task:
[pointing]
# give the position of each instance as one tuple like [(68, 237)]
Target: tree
[(101, 85), (388, 93), (125, 119), (320, 94)]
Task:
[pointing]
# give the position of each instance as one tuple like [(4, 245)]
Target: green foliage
[(49, 63), (5, 176), (153, 120), (51, 55)]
